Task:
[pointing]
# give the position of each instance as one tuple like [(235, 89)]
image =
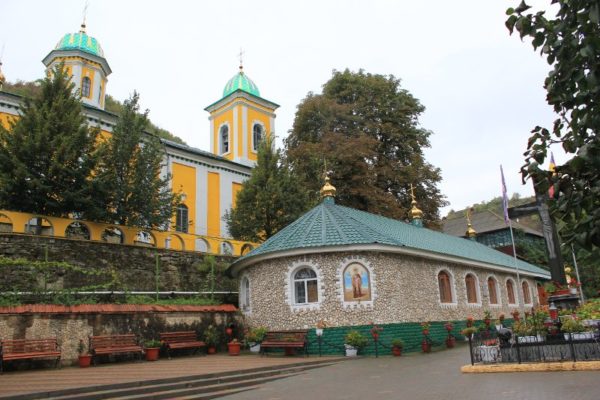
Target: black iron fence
[(504, 347)]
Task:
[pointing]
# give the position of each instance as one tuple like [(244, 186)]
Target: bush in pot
[(84, 358), (152, 348), (397, 346), (354, 341), (211, 338)]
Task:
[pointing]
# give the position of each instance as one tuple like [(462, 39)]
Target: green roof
[(240, 81), (331, 225), (80, 41)]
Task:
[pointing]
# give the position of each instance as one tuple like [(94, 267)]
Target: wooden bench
[(180, 340), (114, 344), (285, 340), (23, 349)]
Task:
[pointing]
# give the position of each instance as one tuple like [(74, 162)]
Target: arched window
[(492, 285), (226, 248), (526, 293), (445, 287), (510, 291), (471, 284), (257, 136), (224, 137), (86, 87), (245, 294), (305, 286), (181, 219)]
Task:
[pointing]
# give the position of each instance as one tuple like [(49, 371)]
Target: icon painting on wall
[(357, 285)]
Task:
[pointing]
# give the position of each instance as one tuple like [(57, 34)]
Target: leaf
[(522, 7), (595, 13)]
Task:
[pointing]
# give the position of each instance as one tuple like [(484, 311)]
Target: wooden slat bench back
[(22, 349)]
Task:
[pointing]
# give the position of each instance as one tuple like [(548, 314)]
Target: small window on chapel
[(445, 288), (86, 87), (257, 136), (245, 294), (305, 287), (471, 284), (492, 285), (510, 292), (526, 293), (224, 139)]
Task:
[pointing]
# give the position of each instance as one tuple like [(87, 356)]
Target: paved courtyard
[(413, 376), (422, 377)]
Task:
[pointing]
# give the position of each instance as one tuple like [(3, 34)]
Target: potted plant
[(487, 318), (211, 338), (152, 348), (354, 341), (525, 332), (234, 347), (319, 327), (254, 337), (500, 321), (515, 315), (397, 346), (425, 326), (450, 340), (470, 321), (375, 330), (84, 358), (468, 332), (573, 329), (550, 287)]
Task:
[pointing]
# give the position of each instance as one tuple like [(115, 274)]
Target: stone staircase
[(206, 386)]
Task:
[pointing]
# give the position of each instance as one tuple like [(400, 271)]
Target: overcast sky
[(482, 88)]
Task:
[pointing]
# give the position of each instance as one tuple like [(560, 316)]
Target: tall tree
[(364, 129), (570, 43), (268, 201), (47, 154), (128, 178)]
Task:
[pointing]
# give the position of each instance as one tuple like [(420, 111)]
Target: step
[(216, 395), (203, 391), (77, 392)]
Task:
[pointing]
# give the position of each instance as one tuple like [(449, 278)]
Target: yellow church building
[(207, 180)]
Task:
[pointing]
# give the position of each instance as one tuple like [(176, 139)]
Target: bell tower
[(240, 120), (84, 61)]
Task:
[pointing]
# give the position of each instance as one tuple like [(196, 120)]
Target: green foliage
[(256, 335), (47, 155), (399, 343), (211, 336), (364, 129), (181, 301), (116, 107), (130, 190), (569, 42), (152, 344), (571, 325), (268, 201), (356, 339), (24, 89)]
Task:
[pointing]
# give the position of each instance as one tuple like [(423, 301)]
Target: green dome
[(241, 82), (80, 41)]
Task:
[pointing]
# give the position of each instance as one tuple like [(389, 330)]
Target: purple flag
[(504, 196)]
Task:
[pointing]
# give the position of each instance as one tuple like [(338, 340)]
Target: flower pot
[(375, 336), (233, 348), (351, 351), (211, 350), (397, 351), (426, 346), (84, 360), (572, 290), (450, 342), (152, 353), (498, 327), (487, 321), (425, 332), (580, 335), (255, 347), (528, 339)]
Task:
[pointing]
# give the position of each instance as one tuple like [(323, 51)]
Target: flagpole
[(512, 240), (577, 273)]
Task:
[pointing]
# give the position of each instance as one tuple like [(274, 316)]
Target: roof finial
[(416, 215), (2, 77), (328, 190), (241, 55), (471, 232), (82, 30)]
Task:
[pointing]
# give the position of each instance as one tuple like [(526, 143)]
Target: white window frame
[(290, 289), (245, 295)]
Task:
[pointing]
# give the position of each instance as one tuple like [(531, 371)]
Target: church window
[(181, 220), (305, 286), (86, 87), (445, 286), (492, 290), (471, 285), (510, 291), (224, 136), (257, 136), (245, 293), (526, 293)]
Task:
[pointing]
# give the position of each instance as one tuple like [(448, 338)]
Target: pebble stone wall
[(405, 290)]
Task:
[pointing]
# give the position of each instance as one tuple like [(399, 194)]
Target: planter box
[(255, 347), (531, 339), (580, 336), (351, 351), (488, 353)]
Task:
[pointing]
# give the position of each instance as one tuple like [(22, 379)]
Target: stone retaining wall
[(70, 324)]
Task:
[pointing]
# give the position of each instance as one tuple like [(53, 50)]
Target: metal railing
[(505, 347)]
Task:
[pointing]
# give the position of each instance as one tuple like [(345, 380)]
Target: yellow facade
[(235, 188), (184, 183), (213, 195)]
